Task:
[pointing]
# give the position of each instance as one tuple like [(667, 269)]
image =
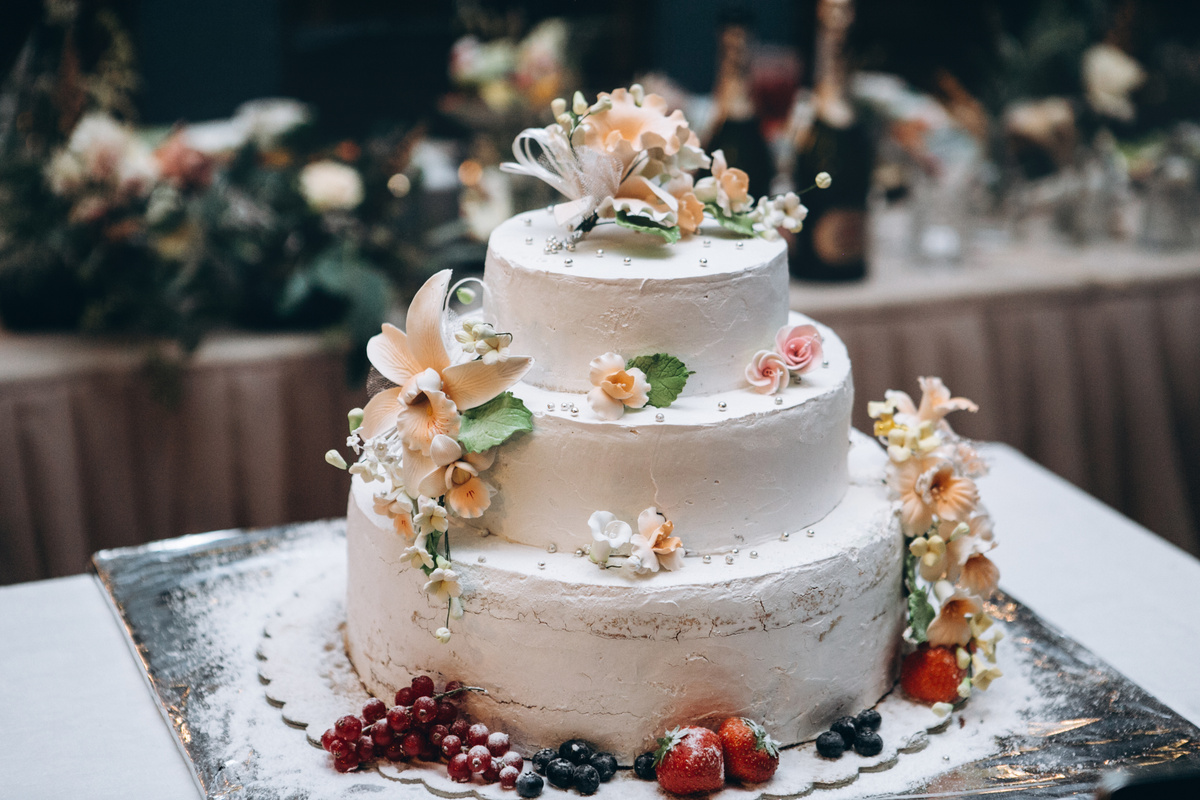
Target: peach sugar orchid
[(615, 386), (653, 545)]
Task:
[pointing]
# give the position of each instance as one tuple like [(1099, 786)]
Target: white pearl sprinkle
[(528, 221), (778, 401), (541, 565), (481, 559), (689, 553), (568, 262), (785, 536), (721, 406), (565, 406), (628, 260), (810, 533), (659, 417), (549, 406), (945, 758), (574, 411), (728, 559), (528, 240), (825, 363), (754, 554), (708, 559), (579, 553), (735, 551), (600, 253), (739, 245), (553, 548), (708, 242), (704, 262)]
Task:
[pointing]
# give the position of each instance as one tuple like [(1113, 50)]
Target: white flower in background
[(442, 635), (269, 118), (653, 544), (417, 554), (103, 151), (331, 186), (431, 516), (609, 535), (1109, 76), (443, 581), (616, 387), (782, 211)]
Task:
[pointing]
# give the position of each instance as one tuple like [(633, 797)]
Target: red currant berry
[(436, 734), (414, 744), (425, 710), (365, 749), (479, 758), (328, 738), (447, 712), (395, 751), (477, 734), (451, 745), (513, 759), (452, 686), (422, 686), (492, 773), (497, 743), (460, 727), (508, 777), (399, 719), (340, 747), (346, 762), (381, 733), (459, 769), (373, 710), (405, 696), (348, 728)]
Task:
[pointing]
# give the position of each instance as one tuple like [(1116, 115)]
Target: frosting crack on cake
[(657, 513)]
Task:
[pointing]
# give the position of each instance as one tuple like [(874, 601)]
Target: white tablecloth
[(77, 719)]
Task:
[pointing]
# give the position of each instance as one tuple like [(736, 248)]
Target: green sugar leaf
[(646, 225), (667, 376), (492, 423)]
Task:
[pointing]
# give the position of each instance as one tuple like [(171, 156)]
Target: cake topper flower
[(653, 545), (624, 159), (615, 387)]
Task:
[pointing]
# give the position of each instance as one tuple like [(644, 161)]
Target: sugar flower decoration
[(616, 387), (417, 554), (767, 372), (979, 575), (443, 581), (728, 187), (800, 346), (653, 545), (928, 487), (952, 627), (430, 392), (609, 535), (431, 517), (481, 339), (983, 673)]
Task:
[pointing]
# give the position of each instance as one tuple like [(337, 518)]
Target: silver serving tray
[(194, 609)]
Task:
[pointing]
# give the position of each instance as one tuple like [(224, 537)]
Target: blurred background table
[(1086, 359), (93, 459)]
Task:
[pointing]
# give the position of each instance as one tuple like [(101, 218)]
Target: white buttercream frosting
[(801, 633), (711, 306)]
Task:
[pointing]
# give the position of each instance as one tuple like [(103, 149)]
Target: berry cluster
[(575, 765), (427, 725), (859, 733)]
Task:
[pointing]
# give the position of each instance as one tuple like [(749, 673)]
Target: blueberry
[(643, 767), (587, 779), (868, 743), (868, 720), (560, 773), (606, 766), (830, 744), (541, 758), (577, 751), (846, 727), (529, 784)]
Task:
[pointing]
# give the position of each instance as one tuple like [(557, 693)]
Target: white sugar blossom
[(609, 535), (334, 459), (442, 635), (653, 544), (942, 709), (431, 516), (782, 211), (417, 554), (481, 338), (983, 673), (443, 581)]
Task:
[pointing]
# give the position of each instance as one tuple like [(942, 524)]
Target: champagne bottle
[(736, 129), (832, 244)]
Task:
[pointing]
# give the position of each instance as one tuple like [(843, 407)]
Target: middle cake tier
[(729, 470)]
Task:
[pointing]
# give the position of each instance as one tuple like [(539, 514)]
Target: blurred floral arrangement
[(112, 229)]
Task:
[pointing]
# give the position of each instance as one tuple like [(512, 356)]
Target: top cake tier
[(712, 300)]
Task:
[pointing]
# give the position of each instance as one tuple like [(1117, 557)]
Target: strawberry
[(689, 761), (751, 755), (932, 675)]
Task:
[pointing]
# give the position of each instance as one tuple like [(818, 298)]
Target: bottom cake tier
[(794, 633)]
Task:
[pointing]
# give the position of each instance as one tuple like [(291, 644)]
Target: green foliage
[(738, 223), (667, 376), (670, 233), (493, 423), (920, 611)]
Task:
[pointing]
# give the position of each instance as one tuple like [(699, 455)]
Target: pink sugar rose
[(800, 347), (767, 372)]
